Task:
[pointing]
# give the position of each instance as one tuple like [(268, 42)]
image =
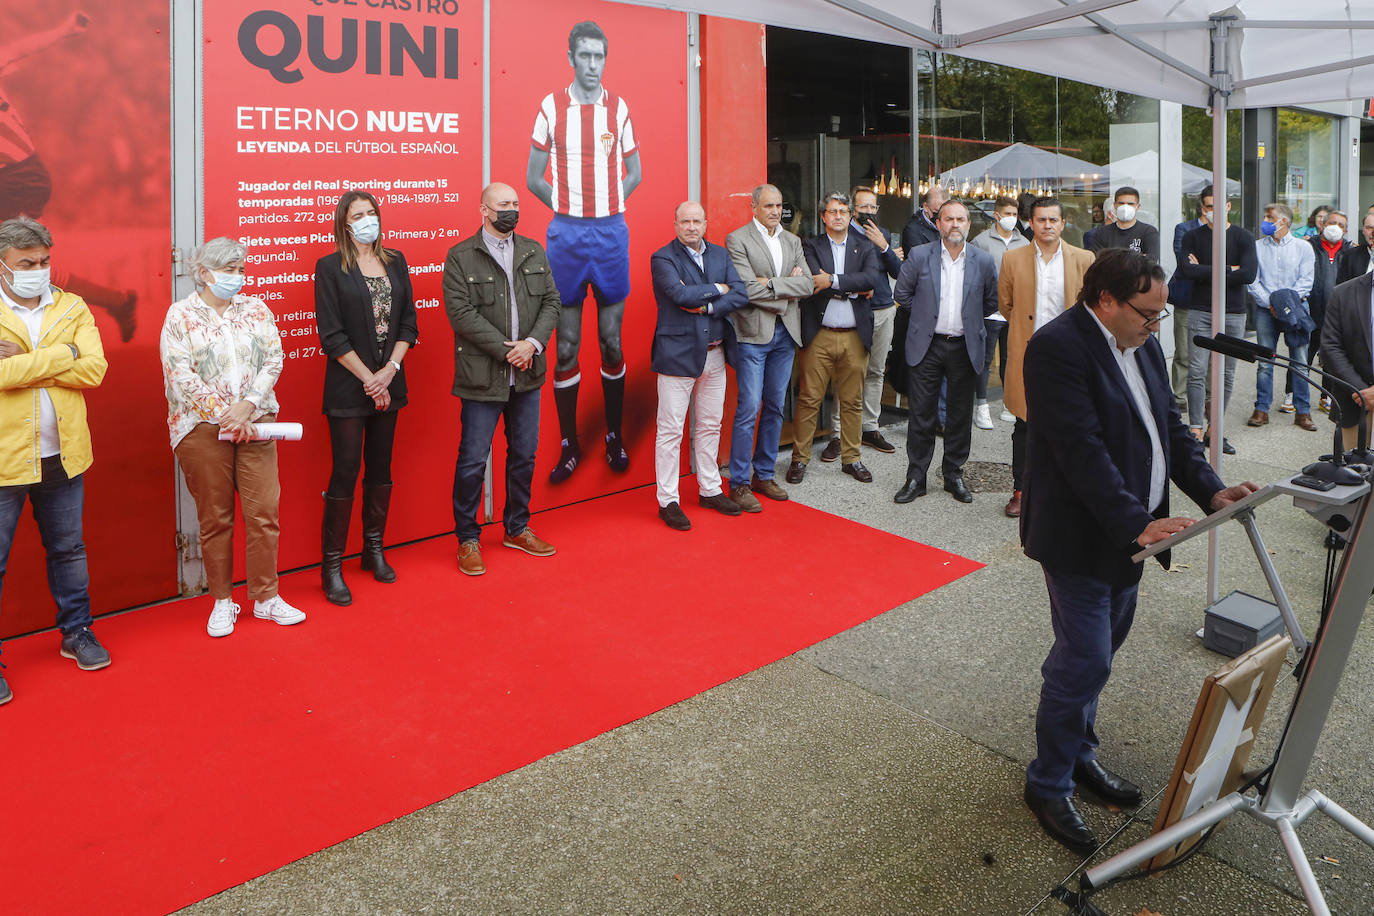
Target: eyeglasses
[(1154, 319), (831, 211)]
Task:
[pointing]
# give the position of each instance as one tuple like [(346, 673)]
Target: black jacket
[(861, 273), (1088, 452), (918, 231), (1352, 263), (344, 320), (1346, 342), (1323, 277)]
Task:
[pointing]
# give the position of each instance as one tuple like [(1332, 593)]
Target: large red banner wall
[(84, 97), (303, 102)]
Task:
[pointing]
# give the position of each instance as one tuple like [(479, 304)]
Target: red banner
[(85, 149)]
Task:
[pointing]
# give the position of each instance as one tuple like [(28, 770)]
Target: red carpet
[(191, 764)]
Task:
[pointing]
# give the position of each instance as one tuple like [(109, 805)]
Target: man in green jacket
[(503, 305)]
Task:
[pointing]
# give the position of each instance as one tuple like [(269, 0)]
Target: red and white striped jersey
[(15, 145), (587, 146)]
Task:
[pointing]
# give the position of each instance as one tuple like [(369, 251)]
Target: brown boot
[(1013, 508), (1258, 418), (1305, 421)]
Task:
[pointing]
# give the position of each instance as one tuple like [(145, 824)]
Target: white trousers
[(706, 396)]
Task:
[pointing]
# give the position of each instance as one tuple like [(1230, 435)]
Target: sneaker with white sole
[(1007, 416), (982, 417), (277, 611), (222, 617), (1287, 405)]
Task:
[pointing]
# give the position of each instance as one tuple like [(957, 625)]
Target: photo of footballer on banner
[(585, 162)]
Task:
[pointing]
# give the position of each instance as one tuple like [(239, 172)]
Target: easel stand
[(1284, 805)]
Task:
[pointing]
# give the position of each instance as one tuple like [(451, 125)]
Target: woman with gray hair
[(221, 355)]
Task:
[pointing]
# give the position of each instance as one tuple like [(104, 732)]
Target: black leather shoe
[(674, 517), (1106, 785), (721, 503), (954, 486), (1059, 818), (795, 472), (858, 472), (910, 490), (831, 452)]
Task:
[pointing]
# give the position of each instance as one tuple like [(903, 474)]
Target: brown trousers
[(215, 471), (837, 358)]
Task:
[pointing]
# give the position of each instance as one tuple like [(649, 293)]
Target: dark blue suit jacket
[(862, 273), (1180, 287), (681, 336), (918, 286), (1088, 459), (887, 261)]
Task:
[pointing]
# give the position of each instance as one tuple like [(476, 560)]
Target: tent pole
[(1221, 71)]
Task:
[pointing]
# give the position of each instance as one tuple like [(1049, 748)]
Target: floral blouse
[(380, 288), (209, 362)]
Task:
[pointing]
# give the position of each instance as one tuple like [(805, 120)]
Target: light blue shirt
[(839, 311), (1284, 264)]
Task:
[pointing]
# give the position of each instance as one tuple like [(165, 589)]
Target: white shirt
[(774, 245), (951, 318), (49, 443), (1049, 286), (839, 312), (1135, 383)]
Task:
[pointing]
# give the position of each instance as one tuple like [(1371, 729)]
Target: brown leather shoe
[(1305, 421), (831, 452), (1258, 418), (1013, 508), (529, 542), (795, 471), (769, 488), (745, 499), (470, 559)]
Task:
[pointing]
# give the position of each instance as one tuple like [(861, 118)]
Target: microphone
[(1334, 470)]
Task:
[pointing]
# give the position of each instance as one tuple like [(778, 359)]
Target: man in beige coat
[(770, 261), (1036, 284)]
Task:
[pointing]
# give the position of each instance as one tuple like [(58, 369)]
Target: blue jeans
[(58, 501), (762, 372), (1267, 333), (521, 411), (1091, 619)]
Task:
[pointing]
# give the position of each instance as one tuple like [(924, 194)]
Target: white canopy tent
[(1021, 165), (1141, 171), (1185, 51)]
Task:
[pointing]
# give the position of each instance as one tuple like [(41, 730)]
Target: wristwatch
[(393, 364)]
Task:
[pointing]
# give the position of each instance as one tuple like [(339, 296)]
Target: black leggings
[(353, 440)]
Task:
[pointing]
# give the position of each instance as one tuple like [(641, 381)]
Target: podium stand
[(1284, 804)]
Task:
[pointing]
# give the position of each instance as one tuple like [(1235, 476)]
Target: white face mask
[(366, 230), (1206, 216), (1007, 223), (1125, 213), (1333, 233), (28, 284)]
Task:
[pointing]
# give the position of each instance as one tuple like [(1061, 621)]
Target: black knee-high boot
[(333, 537), (376, 502)]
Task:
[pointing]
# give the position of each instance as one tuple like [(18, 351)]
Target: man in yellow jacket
[(49, 351)]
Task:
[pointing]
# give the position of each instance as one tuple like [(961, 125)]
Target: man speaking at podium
[(1105, 439)]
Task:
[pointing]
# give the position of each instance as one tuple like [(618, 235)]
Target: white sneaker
[(1008, 416), (982, 417), (222, 617), (278, 611), (1287, 405)]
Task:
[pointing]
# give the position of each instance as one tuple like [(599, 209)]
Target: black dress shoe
[(954, 486), (721, 503), (674, 517), (858, 472), (1106, 785), (1059, 818), (831, 452), (910, 490), (795, 472)]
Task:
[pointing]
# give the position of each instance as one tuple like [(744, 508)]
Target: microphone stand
[(1334, 470)]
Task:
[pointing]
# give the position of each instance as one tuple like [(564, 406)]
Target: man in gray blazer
[(950, 287), (770, 261)]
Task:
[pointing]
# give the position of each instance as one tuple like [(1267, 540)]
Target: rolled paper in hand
[(285, 432)]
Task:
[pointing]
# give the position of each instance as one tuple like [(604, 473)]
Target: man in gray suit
[(770, 261), (950, 288)]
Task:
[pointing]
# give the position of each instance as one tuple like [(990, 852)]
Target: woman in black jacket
[(365, 313)]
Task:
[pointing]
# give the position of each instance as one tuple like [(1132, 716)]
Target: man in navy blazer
[(950, 288), (1105, 439), (696, 286), (837, 333)]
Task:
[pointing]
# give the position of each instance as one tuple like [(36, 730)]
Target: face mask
[(1206, 216), (1269, 227), (1007, 223), (366, 230), (1125, 213), (226, 286), (1333, 233), (505, 220), (28, 284)]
